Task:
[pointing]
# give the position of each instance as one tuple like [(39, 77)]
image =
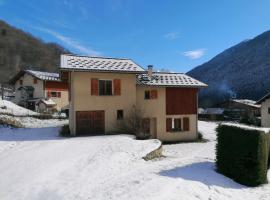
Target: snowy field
[(36, 164)]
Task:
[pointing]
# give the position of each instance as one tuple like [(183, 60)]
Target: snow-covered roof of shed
[(48, 102), (267, 96), (168, 80), (100, 64), (48, 76), (247, 102)]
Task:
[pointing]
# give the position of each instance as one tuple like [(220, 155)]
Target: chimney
[(150, 70)]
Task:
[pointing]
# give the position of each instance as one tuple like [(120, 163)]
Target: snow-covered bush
[(243, 154)]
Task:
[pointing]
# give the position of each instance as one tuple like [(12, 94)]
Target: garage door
[(90, 122)]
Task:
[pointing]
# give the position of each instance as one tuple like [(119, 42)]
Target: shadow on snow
[(203, 172), (29, 134)]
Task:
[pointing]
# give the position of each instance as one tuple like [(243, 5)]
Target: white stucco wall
[(28, 80), (265, 114)]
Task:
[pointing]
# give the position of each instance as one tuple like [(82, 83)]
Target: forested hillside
[(19, 50)]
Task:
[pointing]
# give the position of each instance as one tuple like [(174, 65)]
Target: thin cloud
[(172, 35), (195, 54), (70, 42)]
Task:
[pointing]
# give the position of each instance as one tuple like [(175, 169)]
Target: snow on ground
[(9, 110), (36, 164), (13, 109), (31, 122)]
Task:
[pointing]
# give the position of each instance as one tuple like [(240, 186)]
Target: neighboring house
[(212, 114), (242, 109), (265, 110), (104, 90), (32, 86)]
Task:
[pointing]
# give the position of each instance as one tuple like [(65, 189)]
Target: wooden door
[(90, 122)]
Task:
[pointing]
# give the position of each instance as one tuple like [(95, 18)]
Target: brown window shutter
[(117, 86), (169, 124), (48, 94), (94, 86), (59, 94), (153, 94), (186, 123)]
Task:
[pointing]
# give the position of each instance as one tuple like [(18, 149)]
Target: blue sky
[(174, 34)]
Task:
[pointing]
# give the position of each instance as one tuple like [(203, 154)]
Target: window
[(105, 87), (53, 94), (120, 114), (150, 94), (176, 124), (21, 82), (35, 81), (147, 94)]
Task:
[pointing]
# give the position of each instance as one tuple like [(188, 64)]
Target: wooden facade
[(181, 101), (55, 85)]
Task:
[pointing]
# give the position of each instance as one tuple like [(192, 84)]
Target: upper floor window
[(53, 94), (21, 82), (35, 80), (150, 94), (105, 87)]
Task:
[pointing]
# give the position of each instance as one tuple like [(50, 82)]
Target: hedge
[(243, 154)]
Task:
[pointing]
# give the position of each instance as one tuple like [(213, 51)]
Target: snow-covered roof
[(48, 76), (169, 80), (101, 64), (48, 102), (213, 111), (267, 96), (247, 102)]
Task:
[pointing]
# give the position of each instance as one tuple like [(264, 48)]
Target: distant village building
[(245, 107), (265, 110), (40, 91), (243, 110)]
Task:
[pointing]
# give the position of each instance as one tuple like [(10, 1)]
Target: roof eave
[(180, 86), (103, 71)]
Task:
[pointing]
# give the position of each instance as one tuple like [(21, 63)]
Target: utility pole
[(2, 90)]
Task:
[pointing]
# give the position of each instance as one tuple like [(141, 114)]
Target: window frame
[(52, 92), (268, 110), (120, 114), (147, 95), (105, 80), (173, 127)]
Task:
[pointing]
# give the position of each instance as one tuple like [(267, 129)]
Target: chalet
[(265, 110), (35, 89), (104, 90)]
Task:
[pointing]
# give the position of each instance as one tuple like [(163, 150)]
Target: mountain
[(242, 71), (20, 50)]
